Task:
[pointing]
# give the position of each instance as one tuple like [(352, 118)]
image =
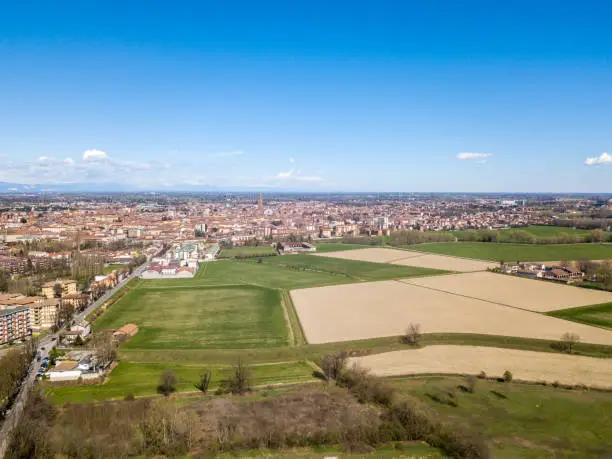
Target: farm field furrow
[(524, 365), (386, 308), (535, 295)]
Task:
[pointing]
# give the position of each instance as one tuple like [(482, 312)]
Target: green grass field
[(247, 251), (346, 270), (338, 247), (549, 231), (141, 379), (519, 252), (399, 450), (599, 315), (214, 317), (526, 421)]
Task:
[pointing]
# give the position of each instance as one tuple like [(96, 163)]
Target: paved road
[(12, 419)]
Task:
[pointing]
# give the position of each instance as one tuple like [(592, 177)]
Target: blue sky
[(308, 95)]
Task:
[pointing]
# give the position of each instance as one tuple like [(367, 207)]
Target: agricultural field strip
[(411, 258), (527, 294), (524, 365), (385, 308)]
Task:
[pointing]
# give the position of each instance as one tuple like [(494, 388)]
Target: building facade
[(14, 324)]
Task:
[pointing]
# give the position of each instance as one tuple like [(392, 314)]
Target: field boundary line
[(469, 297), (296, 325), (291, 337)]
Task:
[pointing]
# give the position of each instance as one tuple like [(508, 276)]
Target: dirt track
[(535, 295), (524, 365), (375, 309)]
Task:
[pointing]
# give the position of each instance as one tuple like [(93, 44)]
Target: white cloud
[(12, 189), (291, 175), (285, 175), (43, 159), (291, 160), (227, 154), (604, 158), (94, 155), (472, 156), (68, 161)]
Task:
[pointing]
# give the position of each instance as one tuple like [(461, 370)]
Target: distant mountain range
[(18, 188)]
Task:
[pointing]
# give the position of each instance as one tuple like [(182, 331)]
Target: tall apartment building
[(43, 314), (68, 288), (14, 324), (13, 265)]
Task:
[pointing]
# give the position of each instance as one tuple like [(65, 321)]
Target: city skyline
[(308, 97)]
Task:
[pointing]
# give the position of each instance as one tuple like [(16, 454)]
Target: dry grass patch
[(412, 258), (535, 295), (524, 365), (446, 263), (376, 309)]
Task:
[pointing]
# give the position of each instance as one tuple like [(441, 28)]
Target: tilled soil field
[(535, 295), (386, 308), (524, 365)]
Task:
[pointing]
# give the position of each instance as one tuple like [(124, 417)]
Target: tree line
[(14, 367)]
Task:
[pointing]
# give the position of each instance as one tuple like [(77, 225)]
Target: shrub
[(470, 384), (482, 375), (413, 335), (460, 442), (167, 382), (333, 365), (129, 397), (507, 376), (569, 340)]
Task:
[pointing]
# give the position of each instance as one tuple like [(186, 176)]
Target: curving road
[(12, 419)]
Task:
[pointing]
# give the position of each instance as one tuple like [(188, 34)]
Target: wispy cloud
[(474, 156), (604, 158), (291, 160), (227, 154), (297, 177)]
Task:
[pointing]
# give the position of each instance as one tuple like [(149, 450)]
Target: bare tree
[(204, 381), (240, 380), (333, 364), (569, 340), (105, 348), (412, 335), (167, 382)]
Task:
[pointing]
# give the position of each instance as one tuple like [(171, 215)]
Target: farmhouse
[(295, 247), (168, 272), (127, 331)]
